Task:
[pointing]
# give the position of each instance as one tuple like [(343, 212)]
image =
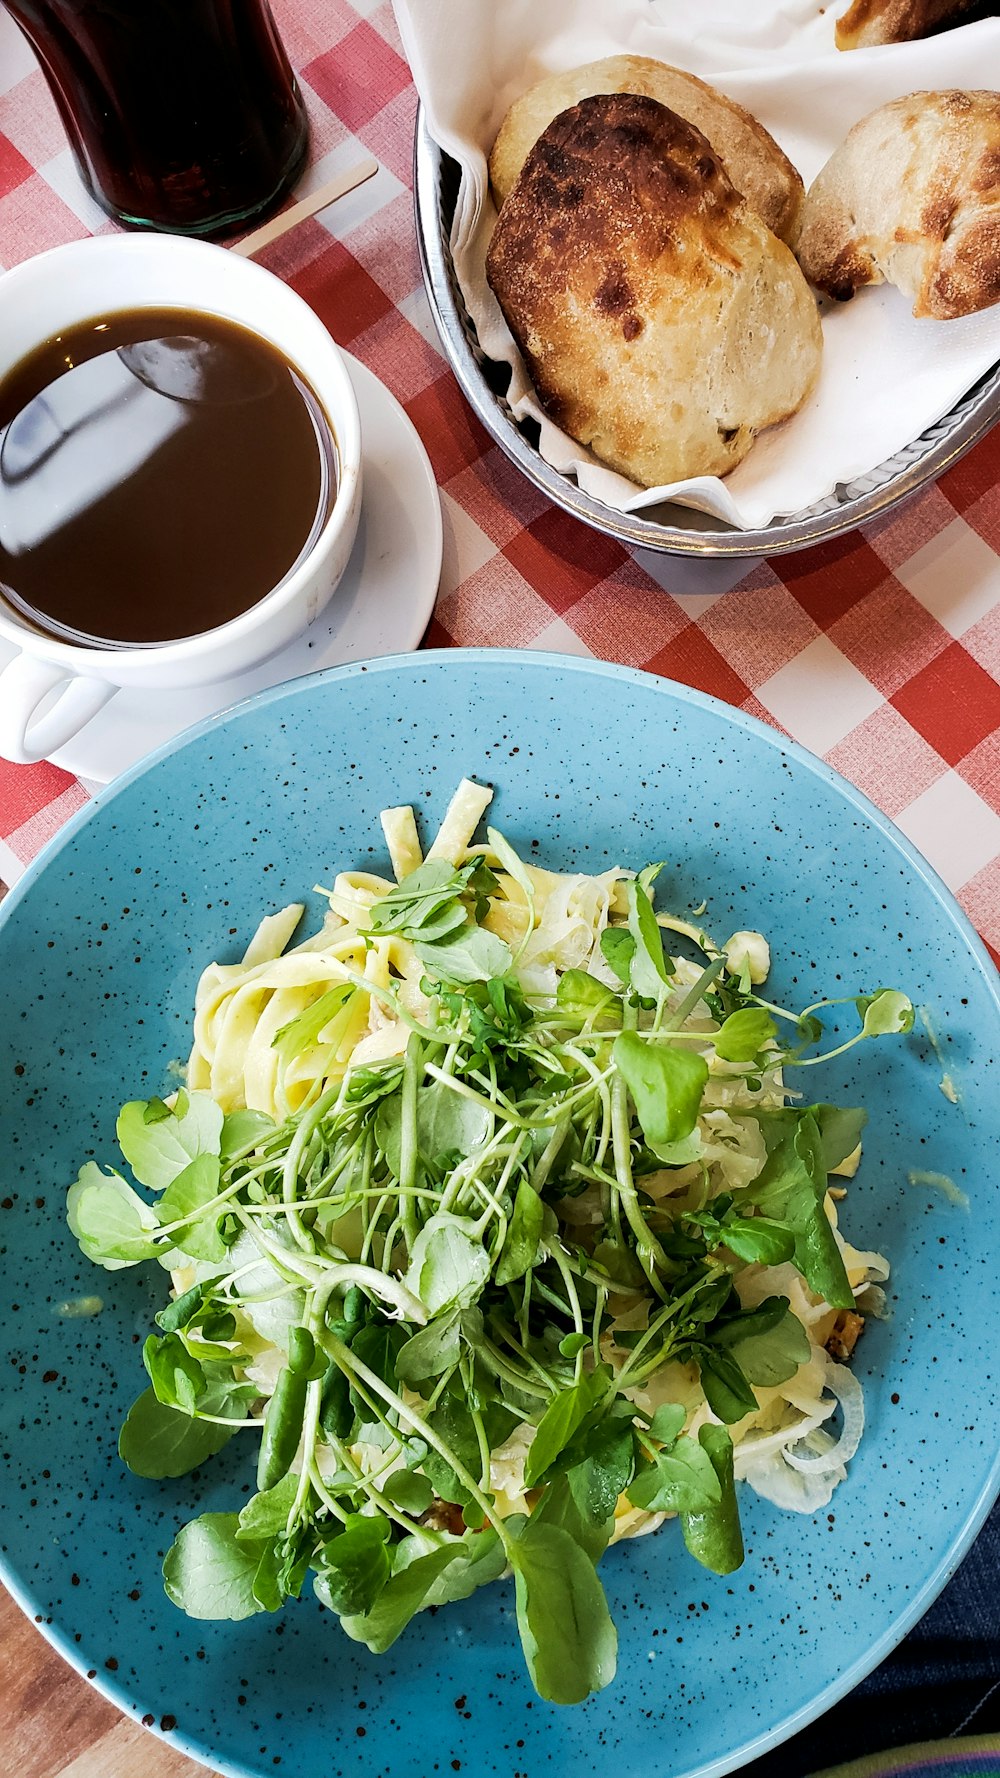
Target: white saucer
[(382, 605)]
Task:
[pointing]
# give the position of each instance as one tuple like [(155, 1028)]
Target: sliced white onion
[(872, 1300), (876, 1265), (758, 1450), (789, 1488), (842, 1383)]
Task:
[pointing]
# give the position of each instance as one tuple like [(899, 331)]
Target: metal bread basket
[(672, 529)]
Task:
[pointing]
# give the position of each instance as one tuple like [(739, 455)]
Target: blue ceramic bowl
[(100, 948)]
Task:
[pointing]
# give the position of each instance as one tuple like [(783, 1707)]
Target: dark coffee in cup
[(161, 471)]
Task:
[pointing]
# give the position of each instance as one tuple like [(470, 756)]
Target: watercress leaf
[(712, 1533), (222, 1393), (745, 1324), (157, 1151), (667, 1423), (524, 1231), (620, 1264), (726, 1389), (388, 1128), (185, 1200), (510, 1011), (266, 1515), (565, 1504), (816, 1252), (563, 1418), (111, 1222), (177, 1378), (679, 1480), (791, 1187), (267, 1585), (757, 1239), (447, 1123), (618, 949), (217, 1323), (431, 885), (455, 1426), (649, 974), (355, 1567), (569, 1640), (159, 1442), (583, 997), (711, 1297), (432, 1351), (404, 1594), (680, 1154), (573, 1343), (240, 1129), (377, 1344), (743, 1034), (840, 1128), (439, 921), (449, 1264), (210, 1351), (472, 955), (666, 1086), (600, 1464), (482, 883), (774, 1354), (209, 1572), (412, 1493), (479, 1559), (298, 1552), (886, 1013)]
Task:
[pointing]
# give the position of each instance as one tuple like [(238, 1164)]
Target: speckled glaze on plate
[(100, 947)]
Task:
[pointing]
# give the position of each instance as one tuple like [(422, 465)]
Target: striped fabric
[(976, 1757)]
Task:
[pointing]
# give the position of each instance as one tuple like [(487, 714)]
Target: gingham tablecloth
[(880, 652)]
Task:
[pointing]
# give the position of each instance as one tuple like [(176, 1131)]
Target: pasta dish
[(501, 1219)]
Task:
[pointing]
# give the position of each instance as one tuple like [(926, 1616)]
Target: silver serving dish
[(672, 529)]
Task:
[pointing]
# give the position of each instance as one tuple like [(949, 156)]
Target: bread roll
[(661, 323), (912, 197), (751, 158), (898, 21)]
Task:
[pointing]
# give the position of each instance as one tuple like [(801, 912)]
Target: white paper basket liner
[(885, 379)]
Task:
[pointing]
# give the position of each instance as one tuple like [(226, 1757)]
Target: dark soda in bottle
[(183, 115)]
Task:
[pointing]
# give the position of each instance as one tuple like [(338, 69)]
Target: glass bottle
[(184, 115)]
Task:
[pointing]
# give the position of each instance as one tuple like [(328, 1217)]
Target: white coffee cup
[(51, 688)]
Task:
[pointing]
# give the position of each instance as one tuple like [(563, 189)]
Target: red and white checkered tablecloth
[(880, 652)]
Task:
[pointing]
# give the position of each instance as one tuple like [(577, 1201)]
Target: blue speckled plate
[(100, 948)]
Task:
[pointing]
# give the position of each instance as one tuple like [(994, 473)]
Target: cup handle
[(24, 684)]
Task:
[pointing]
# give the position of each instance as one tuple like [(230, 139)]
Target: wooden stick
[(318, 200)]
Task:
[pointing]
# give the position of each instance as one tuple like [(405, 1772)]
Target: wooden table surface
[(54, 1725)]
